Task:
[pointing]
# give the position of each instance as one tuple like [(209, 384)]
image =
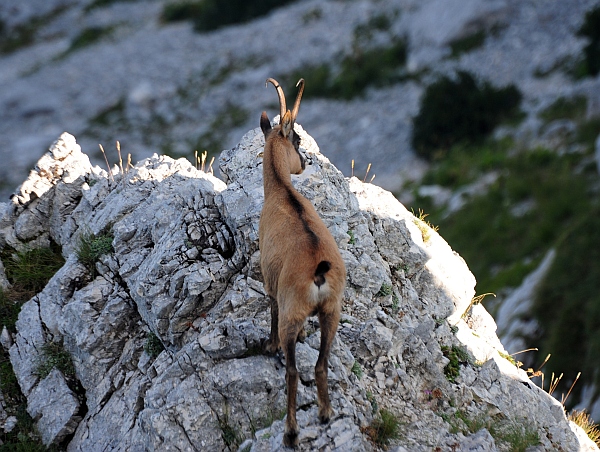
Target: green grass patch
[(30, 270), (90, 247), (111, 115), (384, 429), (377, 23), (573, 108), (209, 15), (24, 436), (461, 110), (54, 356), (583, 419), (17, 38), (510, 359), (23, 35), (513, 244), (567, 304), (424, 225), (541, 199), (10, 306), (267, 420), (587, 132), (515, 436), (461, 422), (230, 434), (464, 164)]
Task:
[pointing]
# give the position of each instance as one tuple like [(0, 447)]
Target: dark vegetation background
[(542, 198)]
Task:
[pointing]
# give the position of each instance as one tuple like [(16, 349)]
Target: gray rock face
[(184, 267), (169, 85), (54, 406)]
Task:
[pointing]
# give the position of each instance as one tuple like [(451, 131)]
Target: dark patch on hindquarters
[(322, 268)]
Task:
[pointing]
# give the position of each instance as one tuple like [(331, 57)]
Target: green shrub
[(182, 10), (209, 15), (357, 370), (379, 66), (153, 346), (591, 30), (457, 356), (460, 111), (467, 43)]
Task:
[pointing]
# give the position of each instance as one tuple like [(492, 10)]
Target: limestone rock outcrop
[(184, 268)]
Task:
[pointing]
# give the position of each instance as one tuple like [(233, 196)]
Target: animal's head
[(283, 136)]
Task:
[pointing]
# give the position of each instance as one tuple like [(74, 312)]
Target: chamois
[(302, 267)]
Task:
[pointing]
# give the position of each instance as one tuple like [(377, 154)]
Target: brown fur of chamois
[(302, 267)]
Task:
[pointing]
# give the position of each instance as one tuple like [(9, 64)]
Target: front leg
[(271, 345)]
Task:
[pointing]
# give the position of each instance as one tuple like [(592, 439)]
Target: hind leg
[(289, 334), (328, 323)]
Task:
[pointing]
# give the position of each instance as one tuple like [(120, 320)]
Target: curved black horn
[(282, 106), (298, 97)]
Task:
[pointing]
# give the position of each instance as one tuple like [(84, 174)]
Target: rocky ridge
[(184, 267), (157, 86)]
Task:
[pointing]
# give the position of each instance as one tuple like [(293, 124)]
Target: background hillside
[(485, 114)]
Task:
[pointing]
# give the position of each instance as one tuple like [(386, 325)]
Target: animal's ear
[(265, 124), (287, 124)]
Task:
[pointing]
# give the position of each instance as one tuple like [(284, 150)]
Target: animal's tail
[(322, 268)]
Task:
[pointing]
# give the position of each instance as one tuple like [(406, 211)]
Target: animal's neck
[(276, 173)]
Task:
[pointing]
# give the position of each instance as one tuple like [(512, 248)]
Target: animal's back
[(305, 249)]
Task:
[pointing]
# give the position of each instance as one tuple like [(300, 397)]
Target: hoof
[(269, 348), (325, 415), (290, 439)]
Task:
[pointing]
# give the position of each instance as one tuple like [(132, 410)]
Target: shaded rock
[(54, 406)]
